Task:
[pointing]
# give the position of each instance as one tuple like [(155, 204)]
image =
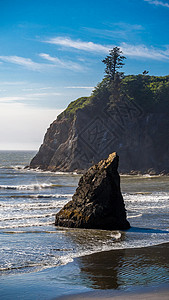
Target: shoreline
[(126, 274), (141, 293), (98, 266), (82, 172)]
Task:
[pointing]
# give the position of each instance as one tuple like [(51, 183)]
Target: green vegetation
[(72, 108), (113, 62), (151, 93)]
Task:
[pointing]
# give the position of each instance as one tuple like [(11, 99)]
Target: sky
[(51, 53)]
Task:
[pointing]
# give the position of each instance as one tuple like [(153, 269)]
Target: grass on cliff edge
[(149, 92), (70, 111)]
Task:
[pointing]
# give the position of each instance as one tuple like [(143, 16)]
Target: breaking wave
[(36, 186)]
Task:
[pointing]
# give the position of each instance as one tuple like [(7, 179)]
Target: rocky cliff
[(97, 202), (92, 128)]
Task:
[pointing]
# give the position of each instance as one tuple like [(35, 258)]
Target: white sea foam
[(116, 236), (134, 216), (33, 205), (27, 217), (26, 225), (36, 196), (41, 196), (142, 197), (153, 207), (26, 186), (52, 196), (18, 167), (38, 170)]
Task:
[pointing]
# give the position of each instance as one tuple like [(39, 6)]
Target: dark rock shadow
[(146, 230)]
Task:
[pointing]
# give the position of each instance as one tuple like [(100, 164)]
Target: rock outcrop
[(97, 202), (95, 131), (134, 123)]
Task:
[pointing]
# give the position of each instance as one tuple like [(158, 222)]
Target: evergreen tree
[(113, 62)]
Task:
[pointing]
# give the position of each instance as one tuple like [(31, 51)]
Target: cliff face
[(97, 202), (74, 144), (136, 126)]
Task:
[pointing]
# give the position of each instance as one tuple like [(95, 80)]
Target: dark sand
[(140, 273), (139, 295)]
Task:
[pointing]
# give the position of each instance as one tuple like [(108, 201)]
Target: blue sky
[(51, 53)]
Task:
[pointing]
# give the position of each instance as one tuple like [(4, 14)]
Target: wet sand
[(140, 295), (128, 274)]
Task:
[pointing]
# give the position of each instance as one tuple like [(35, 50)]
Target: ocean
[(32, 247)]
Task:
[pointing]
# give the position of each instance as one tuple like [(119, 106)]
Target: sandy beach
[(143, 272), (140, 295)]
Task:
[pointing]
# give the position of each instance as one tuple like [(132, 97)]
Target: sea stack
[(97, 202)]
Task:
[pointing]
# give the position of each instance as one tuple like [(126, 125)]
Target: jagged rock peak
[(97, 202)]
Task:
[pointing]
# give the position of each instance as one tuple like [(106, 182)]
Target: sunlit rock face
[(97, 202)]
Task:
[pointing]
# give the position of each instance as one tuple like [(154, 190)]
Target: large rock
[(73, 144), (97, 202)]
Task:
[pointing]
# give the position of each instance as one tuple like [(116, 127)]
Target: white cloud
[(25, 62), (42, 94), (79, 87), (62, 63), (36, 89), (29, 64), (23, 127), (32, 96), (128, 26), (156, 2), (144, 52), (78, 44), (12, 98), (128, 50), (118, 31), (2, 83)]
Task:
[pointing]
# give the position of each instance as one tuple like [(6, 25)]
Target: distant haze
[(23, 128)]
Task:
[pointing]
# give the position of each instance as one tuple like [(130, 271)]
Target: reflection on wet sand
[(119, 269)]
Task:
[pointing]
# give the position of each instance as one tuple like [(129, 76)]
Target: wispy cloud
[(118, 31), (157, 3), (26, 97), (22, 61), (43, 94), (37, 89), (77, 44), (12, 98), (128, 27), (141, 51), (2, 83), (144, 52), (29, 64), (79, 87), (62, 63)]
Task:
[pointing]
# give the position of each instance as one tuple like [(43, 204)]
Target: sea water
[(29, 200)]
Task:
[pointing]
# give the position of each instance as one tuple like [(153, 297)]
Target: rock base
[(97, 202)]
